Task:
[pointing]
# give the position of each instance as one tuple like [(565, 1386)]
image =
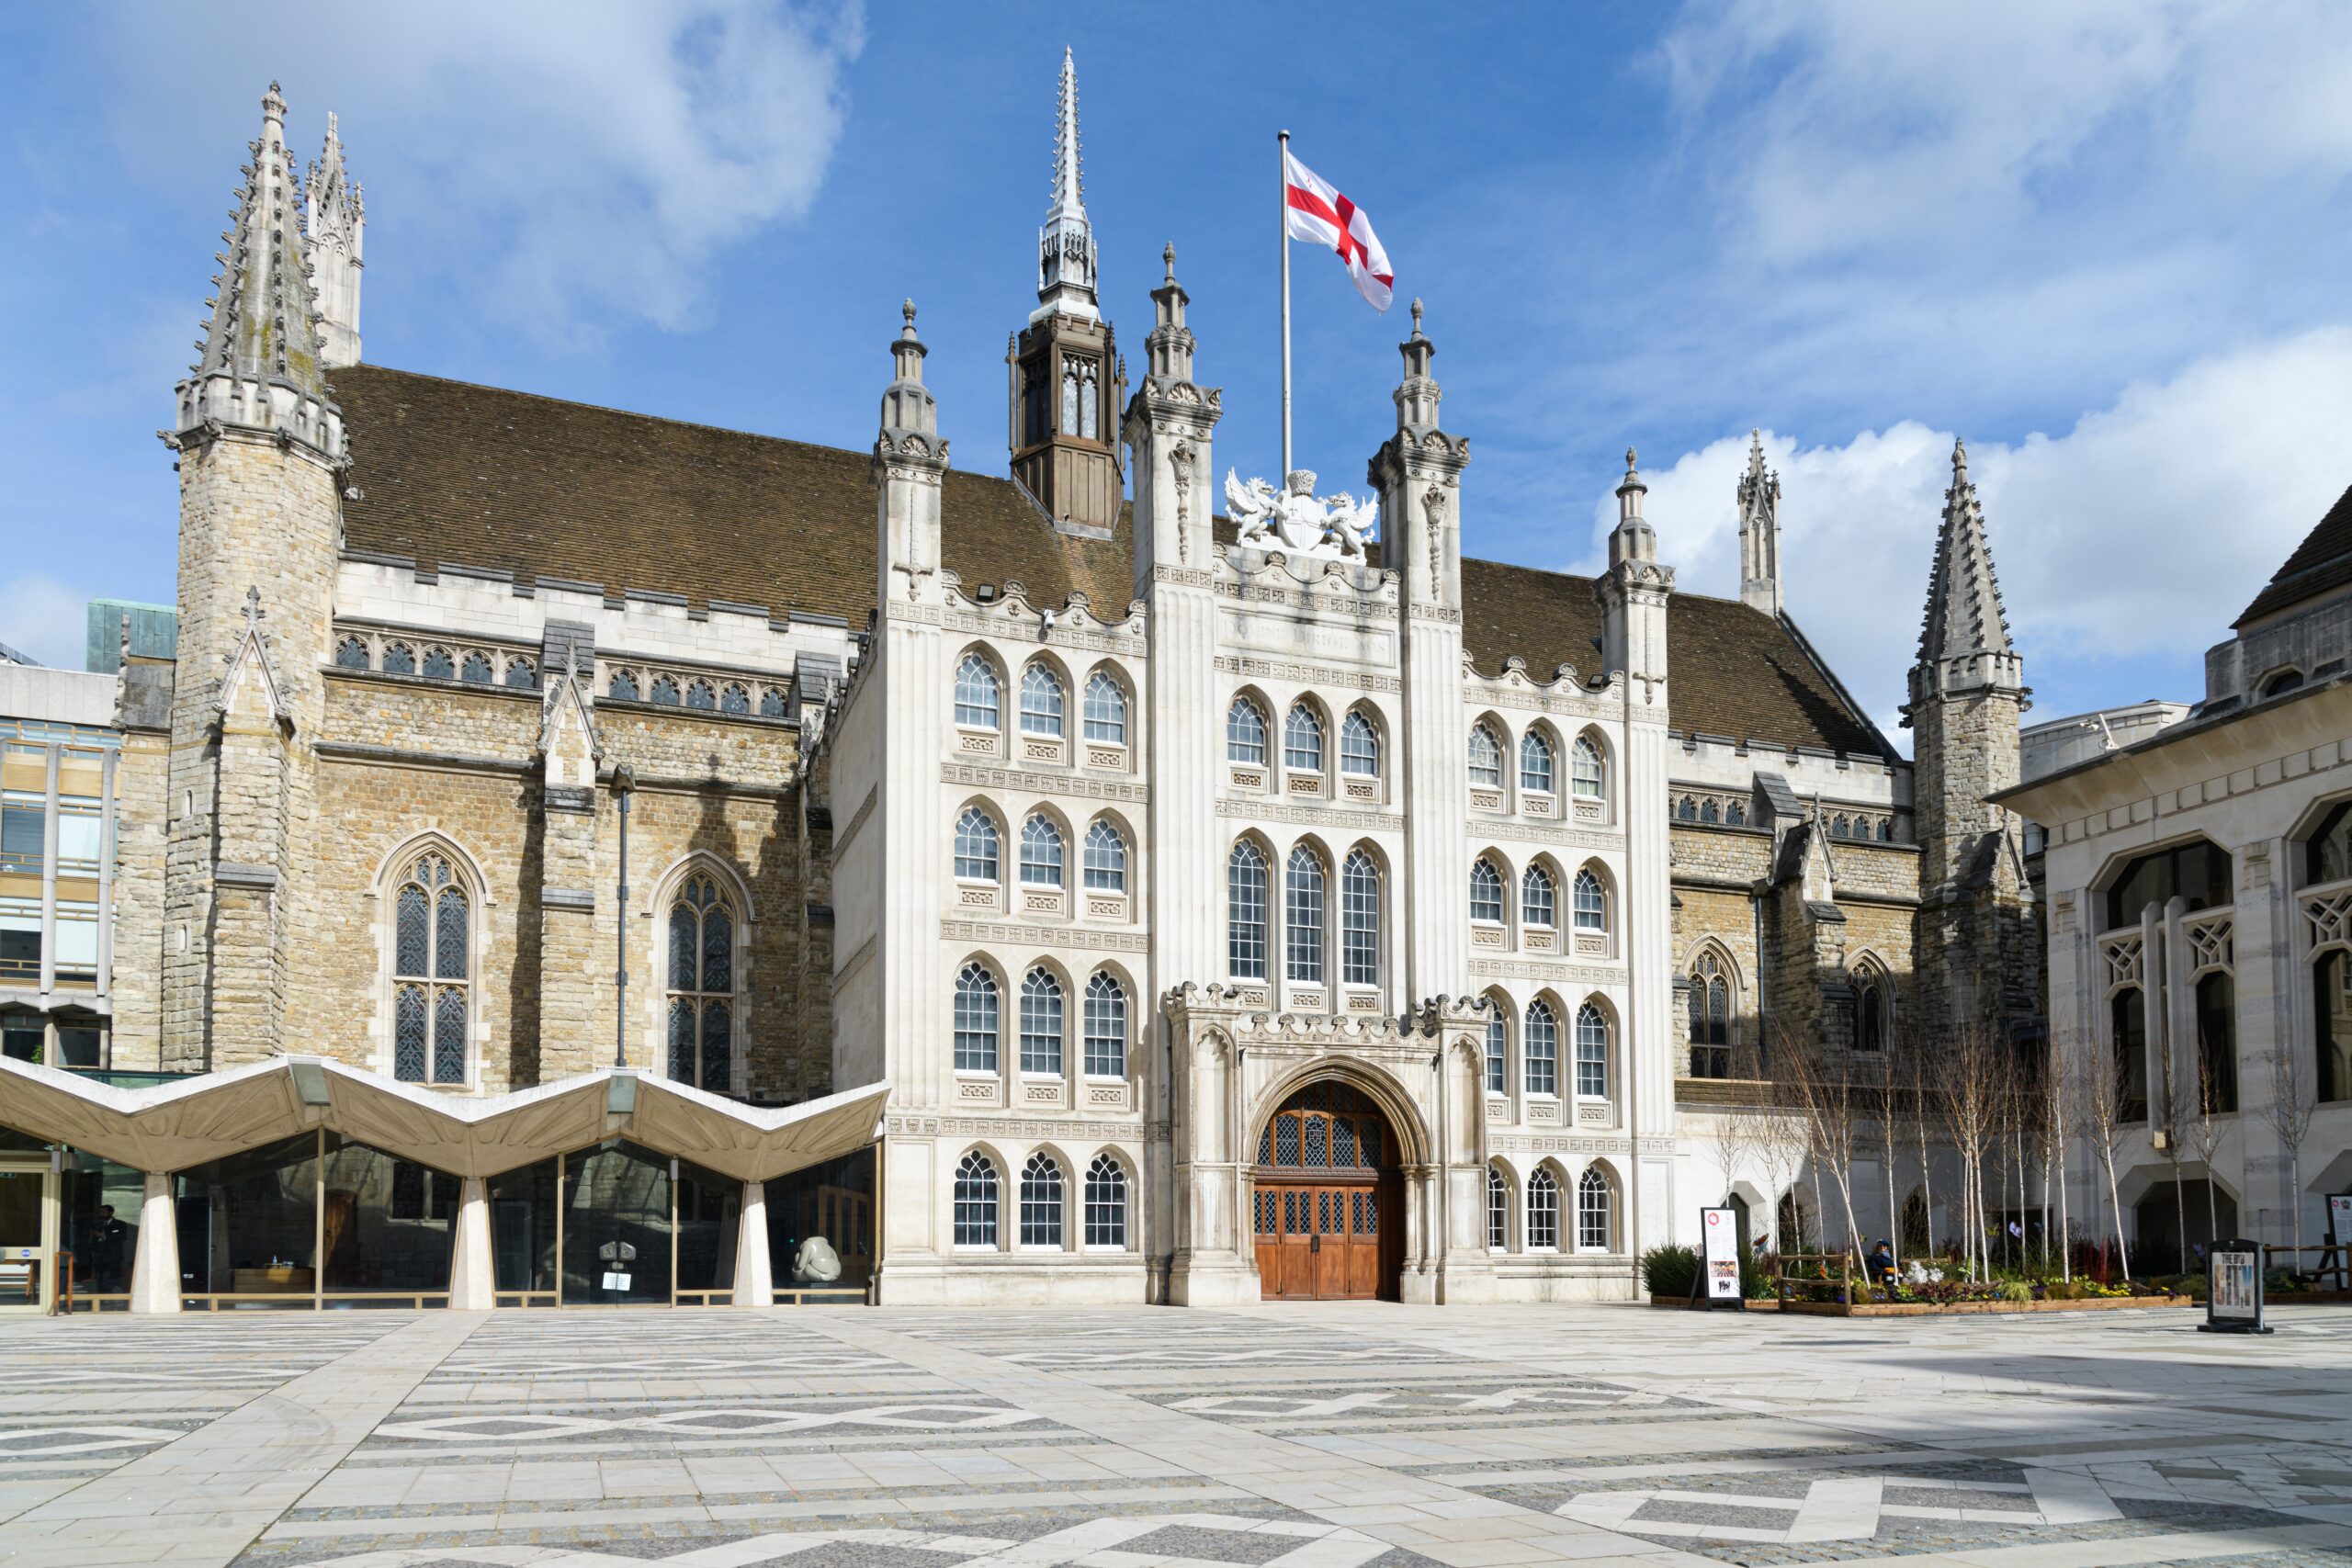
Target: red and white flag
[(1318, 214)]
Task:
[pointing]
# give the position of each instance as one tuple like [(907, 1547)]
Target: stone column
[(755, 1270), (155, 1266), (473, 1278)]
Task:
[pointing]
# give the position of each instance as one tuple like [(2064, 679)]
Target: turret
[(335, 219), (1633, 592), (1417, 474), (910, 462), (1759, 532)]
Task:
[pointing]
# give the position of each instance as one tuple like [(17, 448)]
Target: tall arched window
[(1538, 1047), (1592, 1053), (1497, 1053), (2130, 1023), (976, 1024), (1245, 911), (1537, 900), (976, 1201), (702, 987), (1485, 758), (975, 845), (1485, 891), (1107, 1203), (1593, 1208), (1041, 701), (1041, 852), (1591, 903), (1303, 887), (1543, 1211), (1535, 763), (1106, 709), (1359, 920), (1710, 1017), (2217, 1041), (1106, 858), (1585, 776), (1359, 747), (2332, 1023), (1041, 1023), (979, 696), (1245, 732), (1302, 739), (1870, 1011), (1106, 1026), (1498, 1210), (432, 972), (1041, 1201)]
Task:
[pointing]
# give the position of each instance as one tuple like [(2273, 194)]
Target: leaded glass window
[(1359, 747), (976, 1020), (976, 1201), (702, 696), (432, 972), (1106, 709), (1498, 1210), (735, 697), (1584, 769), (1535, 763), (979, 696), (1497, 1053), (1245, 732), (1107, 1203), (666, 693), (975, 845), (1245, 911), (1543, 1211), (1106, 858), (1591, 903), (1041, 852), (772, 702), (1106, 1026), (1485, 891), (623, 686), (439, 665), (1041, 1022), (351, 653), (1710, 1006), (1041, 1201), (476, 671), (1592, 1053), (399, 659), (702, 986), (1537, 898), (1302, 739), (1540, 1048), (1592, 1212), (1041, 701), (522, 675), (1360, 920), (1485, 758), (1303, 888)]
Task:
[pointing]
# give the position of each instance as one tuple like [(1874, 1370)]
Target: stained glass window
[(432, 972), (702, 986)]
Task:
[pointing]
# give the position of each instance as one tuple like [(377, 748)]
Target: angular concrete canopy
[(172, 1127)]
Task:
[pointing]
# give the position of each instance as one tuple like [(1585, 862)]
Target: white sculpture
[(816, 1263), (1297, 523)]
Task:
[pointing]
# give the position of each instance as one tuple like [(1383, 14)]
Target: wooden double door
[(1330, 1204)]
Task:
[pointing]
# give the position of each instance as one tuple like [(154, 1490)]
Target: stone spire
[(261, 366), (1964, 639), (908, 464), (1633, 590), (1066, 244), (335, 220), (1759, 532), (1167, 352)]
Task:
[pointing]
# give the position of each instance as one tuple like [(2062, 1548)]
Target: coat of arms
[(1297, 522)]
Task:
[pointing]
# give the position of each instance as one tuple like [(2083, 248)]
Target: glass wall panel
[(710, 1217), (522, 1227), (248, 1222), (389, 1222), (831, 1203), (615, 1227), (101, 1202)]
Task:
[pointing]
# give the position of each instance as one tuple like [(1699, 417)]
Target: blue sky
[(2102, 241)]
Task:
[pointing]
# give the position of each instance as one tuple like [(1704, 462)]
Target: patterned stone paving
[(1321, 1437)]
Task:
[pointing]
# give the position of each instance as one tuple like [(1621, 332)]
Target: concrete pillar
[(473, 1280), (754, 1272), (155, 1266)]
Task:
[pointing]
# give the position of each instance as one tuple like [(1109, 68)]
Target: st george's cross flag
[(1318, 213)]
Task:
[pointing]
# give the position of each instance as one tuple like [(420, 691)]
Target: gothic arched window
[(1735, 814), (1041, 852), (1245, 909), (622, 687), (666, 693), (1359, 920), (976, 1025), (1106, 709), (702, 987), (1709, 811), (432, 972), (439, 665), (1593, 1206), (735, 697), (1041, 702), (1592, 1053), (351, 653), (1041, 1201), (976, 1201), (1540, 1048), (1485, 891), (399, 659), (1710, 1017), (1106, 858), (1585, 776), (702, 696), (1543, 1211), (1302, 900), (1302, 739), (1590, 902), (772, 702), (1107, 1203), (1106, 1026), (1535, 763), (1485, 758), (1359, 747), (975, 845), (1537, 898), (476, 671), (1041, 1023), (1870, 1011), (1498, 1210), (522, 675), (1497, 1053), (1245, 732), (979, 696)]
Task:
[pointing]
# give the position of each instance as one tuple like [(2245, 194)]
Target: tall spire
[(260, 364), (1066, 244), (1965, 636), (1759, 532), (335, 220)]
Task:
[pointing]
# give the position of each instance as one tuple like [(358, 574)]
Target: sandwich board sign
[(2233, 1288), (1719, 1256)]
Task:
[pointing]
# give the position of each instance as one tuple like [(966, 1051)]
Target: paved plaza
[(1322, 1437)]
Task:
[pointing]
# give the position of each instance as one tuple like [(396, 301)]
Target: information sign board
[(2233, 1288), (1719, 1256)]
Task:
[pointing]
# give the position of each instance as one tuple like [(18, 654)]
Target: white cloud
[(2144, 529), (567, 163), (45, 620)]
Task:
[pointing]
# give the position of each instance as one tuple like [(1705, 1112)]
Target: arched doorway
[(1331, 1198)]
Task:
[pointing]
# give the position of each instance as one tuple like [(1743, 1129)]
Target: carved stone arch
[(1394, 1101)]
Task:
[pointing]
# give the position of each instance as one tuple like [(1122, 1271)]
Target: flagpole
[(1282, 140)]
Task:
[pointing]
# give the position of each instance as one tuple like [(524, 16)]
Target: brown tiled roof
[(2322, 562), (453, 474)]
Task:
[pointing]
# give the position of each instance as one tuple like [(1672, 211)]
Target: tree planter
[(1946, 1309)]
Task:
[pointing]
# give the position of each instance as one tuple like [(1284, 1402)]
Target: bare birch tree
[(2102, 1088), (2206, 1131), (1969, 1088), (2290, 1116), (1824, 1093)]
